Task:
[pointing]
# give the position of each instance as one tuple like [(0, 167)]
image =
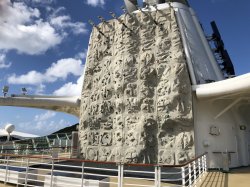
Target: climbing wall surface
[(136, 99)]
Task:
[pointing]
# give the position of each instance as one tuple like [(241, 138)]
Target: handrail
[(187, 175), (36, 138), (106, 162), (41, 148)]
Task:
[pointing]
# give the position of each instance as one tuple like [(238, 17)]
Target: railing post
[(194, 168), (26, 151), (43, 157), (205, 160), (203, 165), (183, 176), (199, 166), (52, 173), (22, 162), (122, 174), (119, 175), (82, 174), (190, 174), (157, 176), (26, 173), (6, 169)]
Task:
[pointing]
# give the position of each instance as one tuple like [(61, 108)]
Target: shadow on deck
[(236, 177)]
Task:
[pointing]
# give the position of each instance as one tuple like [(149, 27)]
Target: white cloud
[(43, 1), (59, 70), (32, 77), (96, 3), (64, 67), (44, 116), (43, 124), (3, 63), (70, 88), (23, 29), (64, 22), (40, 89), (82, 55)]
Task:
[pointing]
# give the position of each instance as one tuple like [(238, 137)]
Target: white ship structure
[(154, 91)]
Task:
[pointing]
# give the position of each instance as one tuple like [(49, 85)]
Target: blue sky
[(43, 45)]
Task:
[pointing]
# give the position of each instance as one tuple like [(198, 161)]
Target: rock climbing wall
[(136, 99)]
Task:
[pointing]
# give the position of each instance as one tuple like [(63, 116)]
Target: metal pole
[(190, 174), (199, 168), (43, 157), (82, 174), (7, 168), (194, 168), (119, 175), (203, 165), (27, 147), (22, 162), (122, 174), (26, 173), (183, 176), (156, 176), (159, 176), (205, 159), (52, 171)]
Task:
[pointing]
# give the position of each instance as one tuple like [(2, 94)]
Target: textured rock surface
[(136, 100)]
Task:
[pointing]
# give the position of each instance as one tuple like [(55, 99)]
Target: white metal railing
[(43, 151), (48, 171)]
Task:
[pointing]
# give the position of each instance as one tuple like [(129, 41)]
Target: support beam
[(228, 108), (70, 105)]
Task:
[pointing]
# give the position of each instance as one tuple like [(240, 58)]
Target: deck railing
[(59, 139), (42, 151), (30, 170)]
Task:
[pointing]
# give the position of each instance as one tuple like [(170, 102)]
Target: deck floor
[(239, 177), (6, 185)]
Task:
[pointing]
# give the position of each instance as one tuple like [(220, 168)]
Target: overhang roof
[(233, 88), (16, 134)]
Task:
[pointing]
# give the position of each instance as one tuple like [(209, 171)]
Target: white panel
[(204, 65)]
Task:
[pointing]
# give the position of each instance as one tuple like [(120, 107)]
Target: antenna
[(217, 37), (216, 34), (227, 64)]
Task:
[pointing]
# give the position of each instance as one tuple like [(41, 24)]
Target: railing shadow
[(214, 178)]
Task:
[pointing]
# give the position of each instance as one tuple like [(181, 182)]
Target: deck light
[(24, 91), (5, 90)]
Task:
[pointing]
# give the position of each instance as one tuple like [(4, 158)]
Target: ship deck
[(236, 177)]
